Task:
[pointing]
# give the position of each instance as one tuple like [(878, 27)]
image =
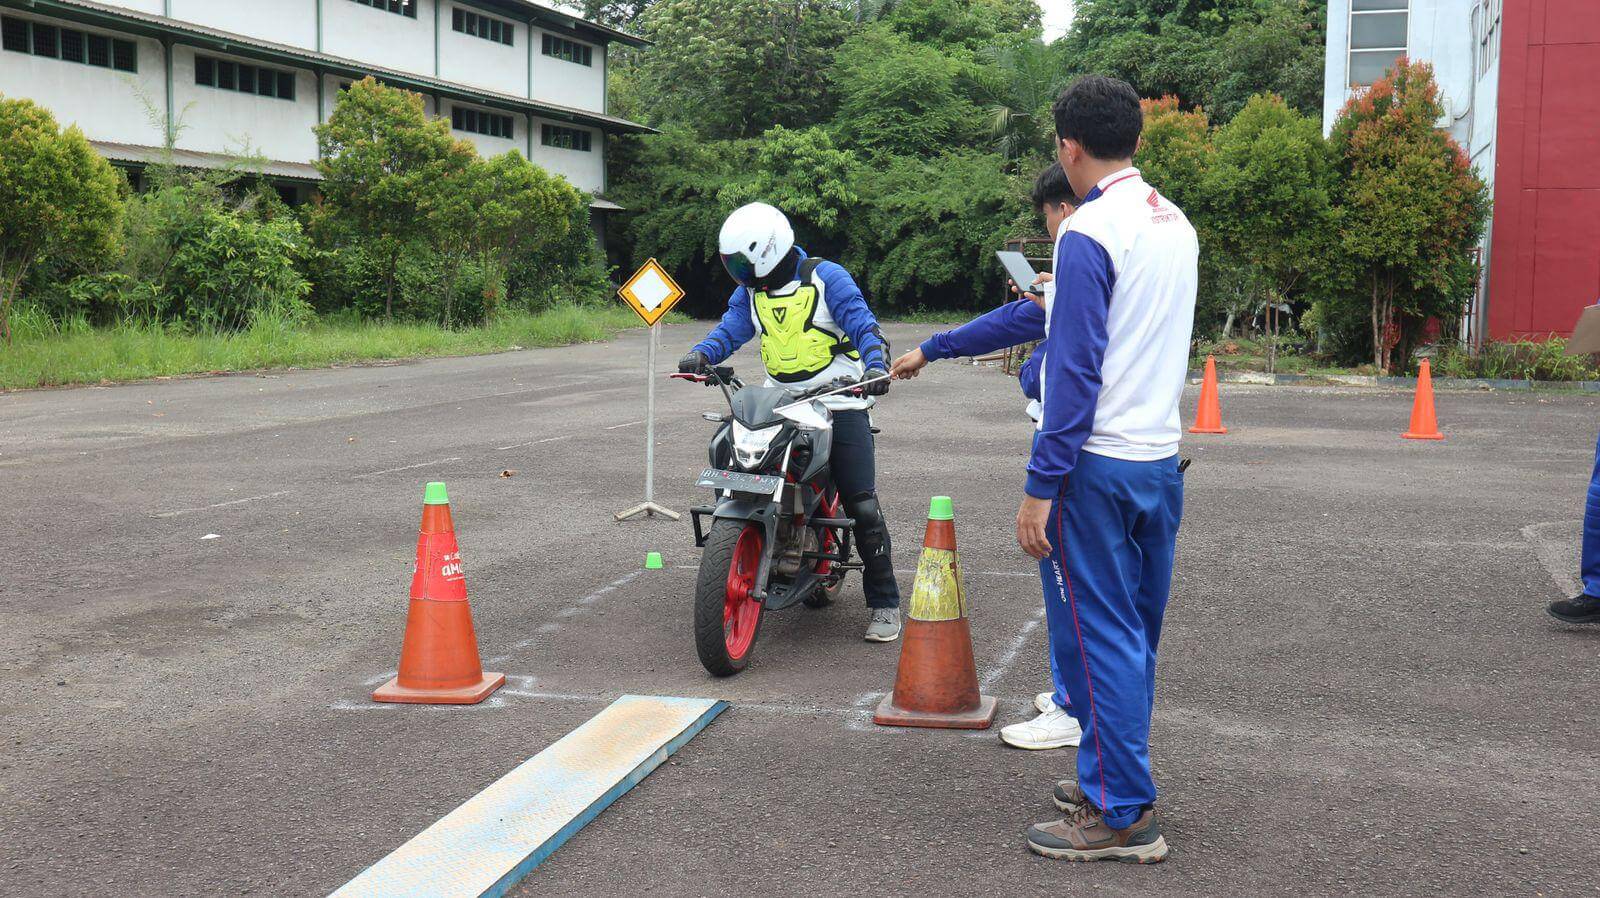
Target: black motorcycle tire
[(710, 601)]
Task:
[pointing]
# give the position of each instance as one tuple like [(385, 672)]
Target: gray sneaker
[(884, 625)]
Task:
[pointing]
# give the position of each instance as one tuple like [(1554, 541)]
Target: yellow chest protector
[(794, 347)]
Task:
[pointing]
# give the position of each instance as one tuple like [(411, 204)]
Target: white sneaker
[(1044, 701), (1054, 728)]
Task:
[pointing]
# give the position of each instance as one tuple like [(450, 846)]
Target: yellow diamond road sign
[(651, 292)]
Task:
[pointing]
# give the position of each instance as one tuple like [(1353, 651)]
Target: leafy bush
[(1520, 360), (58, 199)]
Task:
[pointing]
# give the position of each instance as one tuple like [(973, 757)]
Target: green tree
[(525, 214), (383, 164), (1281, 52), (961, 23), (805, 175), (1174, 152), (904, 98), (1412, 208), (1018, 85), (926, 235), (58, 199), (1215, 53), (1267, 193), (735, 71)]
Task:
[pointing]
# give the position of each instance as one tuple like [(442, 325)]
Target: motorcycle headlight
[(750, 446)]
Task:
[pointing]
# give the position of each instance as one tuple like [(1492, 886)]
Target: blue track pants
[(1591, 531), (1113, 532)]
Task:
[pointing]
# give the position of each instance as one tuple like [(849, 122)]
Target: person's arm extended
[(1075, 349), (1028, 375), (1015, 322), (734, 331), (849, 310)]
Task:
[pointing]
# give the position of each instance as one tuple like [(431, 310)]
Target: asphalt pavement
[(1359, 690)]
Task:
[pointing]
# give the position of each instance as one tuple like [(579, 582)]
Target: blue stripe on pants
[(1113, 532), (1591, 531)]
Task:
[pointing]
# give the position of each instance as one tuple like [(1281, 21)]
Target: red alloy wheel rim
[(740, 610)]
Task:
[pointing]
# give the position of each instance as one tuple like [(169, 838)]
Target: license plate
[(740, 482)]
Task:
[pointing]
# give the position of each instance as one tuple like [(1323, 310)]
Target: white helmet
[(754, 239)]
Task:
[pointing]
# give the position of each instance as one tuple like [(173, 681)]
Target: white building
[(229, 77)]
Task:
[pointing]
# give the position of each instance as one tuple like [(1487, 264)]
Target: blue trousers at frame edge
[(1591, 531), (1113, 532)]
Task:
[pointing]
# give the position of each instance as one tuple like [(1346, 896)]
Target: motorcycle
[(776, 535)]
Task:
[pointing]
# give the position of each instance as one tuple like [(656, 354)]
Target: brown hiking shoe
[(1084, 836), (1068, 797)]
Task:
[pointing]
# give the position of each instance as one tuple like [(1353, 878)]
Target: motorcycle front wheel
[(727, 615)]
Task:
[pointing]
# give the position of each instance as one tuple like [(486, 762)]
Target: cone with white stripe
[(937, 684)]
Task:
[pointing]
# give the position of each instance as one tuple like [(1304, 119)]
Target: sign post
[(651, 293)]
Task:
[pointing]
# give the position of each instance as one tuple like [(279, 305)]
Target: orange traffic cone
[(1208, 417), (1424, 425), (439, 657), (937, 685)]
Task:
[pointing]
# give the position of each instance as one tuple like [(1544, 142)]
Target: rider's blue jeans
[(855, 475)]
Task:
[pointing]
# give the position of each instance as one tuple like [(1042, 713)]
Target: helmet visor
[(740, 268)]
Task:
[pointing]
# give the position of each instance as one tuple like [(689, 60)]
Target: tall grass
[(49, 353), (1517, 360)]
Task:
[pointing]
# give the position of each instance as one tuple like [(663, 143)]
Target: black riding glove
[(693, 363), (877, 388)]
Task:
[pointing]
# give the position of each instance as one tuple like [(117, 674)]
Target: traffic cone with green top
[(439, 657), (937, 684), (652, 561)]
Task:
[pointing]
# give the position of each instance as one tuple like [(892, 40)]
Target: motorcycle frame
[(768, 512)]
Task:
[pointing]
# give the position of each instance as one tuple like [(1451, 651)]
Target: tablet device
[(1020, 272)]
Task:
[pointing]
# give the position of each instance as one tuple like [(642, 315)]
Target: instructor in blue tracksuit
[(815, 328), (1104, 490)]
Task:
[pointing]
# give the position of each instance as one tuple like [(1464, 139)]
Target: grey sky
[(1057, 16)]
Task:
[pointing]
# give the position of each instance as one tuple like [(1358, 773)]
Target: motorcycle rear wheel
[(727, 616)]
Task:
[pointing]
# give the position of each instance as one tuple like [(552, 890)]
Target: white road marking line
[(620, 426), (1006, 660), (420, 464), (230, 503), (567, 436), (1557, 551)]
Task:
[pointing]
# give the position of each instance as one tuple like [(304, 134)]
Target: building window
[(1377, 38), (477, 121), (482, 26), (68, 44), (571, 51), (1486, 28), (407, 8), (563, 138), (225, 74)]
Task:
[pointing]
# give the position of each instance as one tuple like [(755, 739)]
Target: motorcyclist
[(815, 328)]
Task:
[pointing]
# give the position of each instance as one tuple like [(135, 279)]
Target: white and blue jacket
[(1117, 331)]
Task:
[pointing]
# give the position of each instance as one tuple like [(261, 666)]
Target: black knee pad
[(872, 531)]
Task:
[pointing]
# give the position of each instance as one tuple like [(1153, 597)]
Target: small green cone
[(652, 561), (434, 494), (941, 509)]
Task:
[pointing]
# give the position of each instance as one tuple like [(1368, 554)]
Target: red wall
[(1544, 255)]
